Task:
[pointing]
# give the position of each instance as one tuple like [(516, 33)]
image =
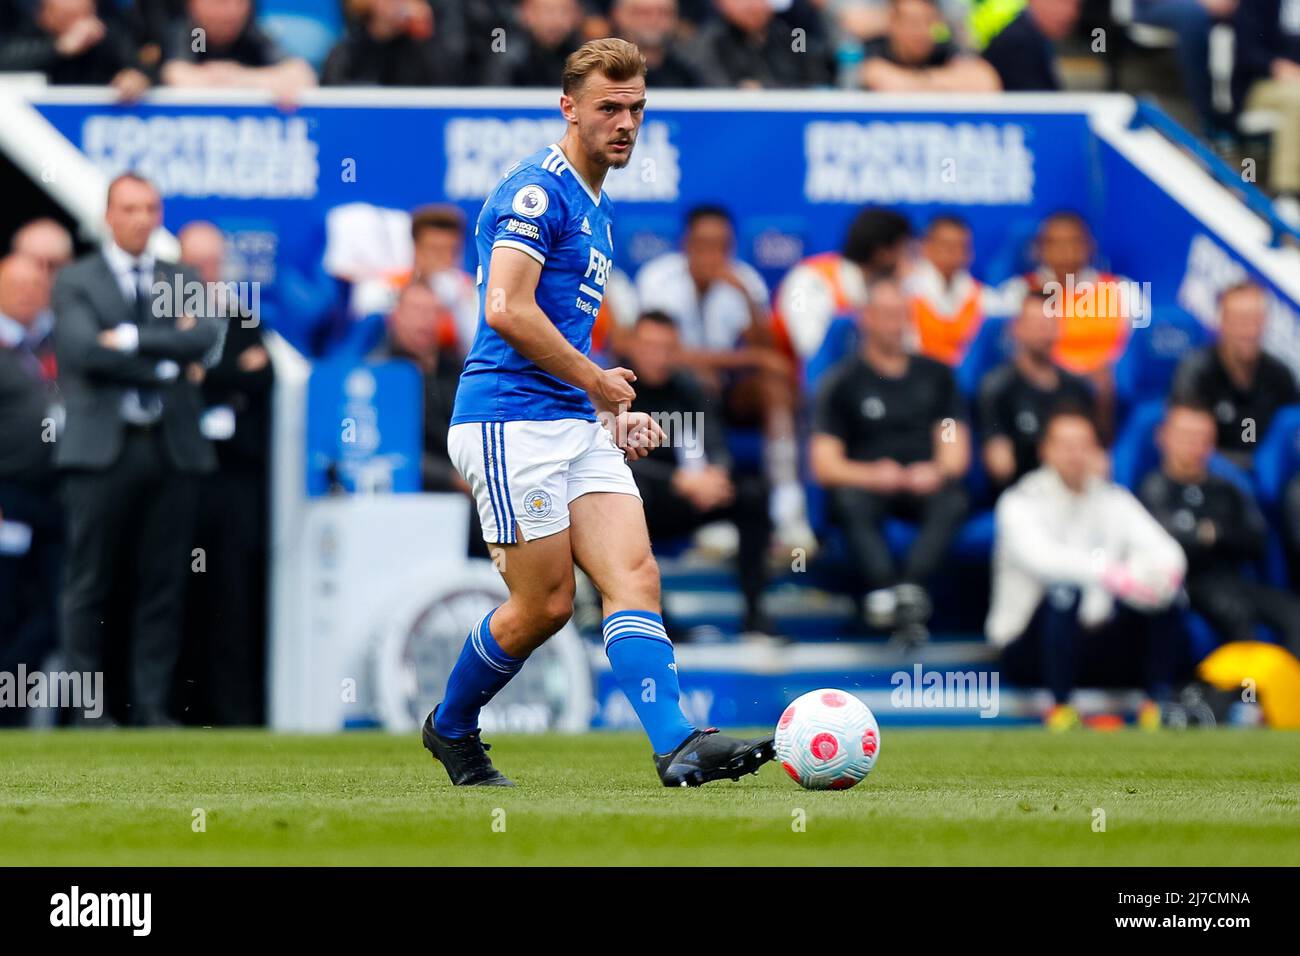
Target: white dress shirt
[(134, 275)]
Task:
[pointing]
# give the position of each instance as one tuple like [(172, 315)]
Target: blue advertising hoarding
[(793, 168), (793, 178)]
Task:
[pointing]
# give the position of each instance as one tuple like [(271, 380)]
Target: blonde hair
[(617, 59)]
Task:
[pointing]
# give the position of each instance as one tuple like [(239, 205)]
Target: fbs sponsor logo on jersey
[(530, 201), (537, 503)]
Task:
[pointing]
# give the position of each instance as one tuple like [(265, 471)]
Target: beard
[(597, 153)]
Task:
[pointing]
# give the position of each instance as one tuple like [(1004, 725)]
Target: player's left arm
[(512, 312)]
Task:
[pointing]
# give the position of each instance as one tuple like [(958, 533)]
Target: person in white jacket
[(1084, 579)]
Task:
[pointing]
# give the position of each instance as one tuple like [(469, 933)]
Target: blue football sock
[(642, 659), (482, 670)]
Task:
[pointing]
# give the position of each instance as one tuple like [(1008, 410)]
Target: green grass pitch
[(936, 797)]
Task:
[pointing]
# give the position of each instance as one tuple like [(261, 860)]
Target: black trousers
[(129, 527), (1234, 605), (668, 515), (862, 513), (29, 583), (222, 668), (1131, 649)]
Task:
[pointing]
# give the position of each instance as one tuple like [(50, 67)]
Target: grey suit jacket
[(93, 379)]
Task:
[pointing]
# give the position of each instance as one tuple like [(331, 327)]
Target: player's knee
[(555, 612)]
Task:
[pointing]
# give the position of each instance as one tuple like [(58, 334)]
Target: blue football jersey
[(545, 210)]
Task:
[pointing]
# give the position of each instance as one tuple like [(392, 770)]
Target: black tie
[(143, 296), (150, 398)]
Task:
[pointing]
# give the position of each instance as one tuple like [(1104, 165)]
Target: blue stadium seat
[(304, 28), (990, 347), (1278, 456), (359, 336), (974, 542), (1011, 257), (1146, 369), (841, 339), (1277, 460), (1135, 454), (745, 445)]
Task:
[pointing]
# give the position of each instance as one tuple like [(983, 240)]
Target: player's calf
[(482, 669)]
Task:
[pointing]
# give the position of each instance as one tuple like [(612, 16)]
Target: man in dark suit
[(129, 365), (221, 676), (31, 533)]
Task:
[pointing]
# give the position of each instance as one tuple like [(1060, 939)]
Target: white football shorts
[(524, 474)]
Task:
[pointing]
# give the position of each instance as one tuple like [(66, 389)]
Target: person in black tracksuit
[(222, 677), (688, 482), (1242, 385), (890, 439), (1221, 530), (1018, 397)]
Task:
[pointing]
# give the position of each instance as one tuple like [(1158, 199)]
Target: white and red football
[(827, 740)]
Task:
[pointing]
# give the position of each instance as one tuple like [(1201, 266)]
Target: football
[(827, 740)]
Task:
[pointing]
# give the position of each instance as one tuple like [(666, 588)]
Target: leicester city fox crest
[(537, 503)]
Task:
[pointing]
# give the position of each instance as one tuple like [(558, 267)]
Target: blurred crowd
[(881, 409), (889, 46), (878, 387)]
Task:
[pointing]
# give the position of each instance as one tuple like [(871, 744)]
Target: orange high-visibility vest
[(827, 266), (945, 337), (1092, 335)]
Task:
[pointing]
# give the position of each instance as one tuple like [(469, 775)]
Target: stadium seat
[(358, 337), (305, 28), (745, 445), (974, 542), (1135, 455), (1151, 357), (1276, 461), (841, 339), (1011, 257), (1141, 34), (1223, 53), (1278, 456), (989, 349)]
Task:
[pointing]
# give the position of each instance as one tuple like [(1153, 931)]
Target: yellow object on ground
[(1266, 670)]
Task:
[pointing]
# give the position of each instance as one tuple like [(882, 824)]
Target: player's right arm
[(511, 310)]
